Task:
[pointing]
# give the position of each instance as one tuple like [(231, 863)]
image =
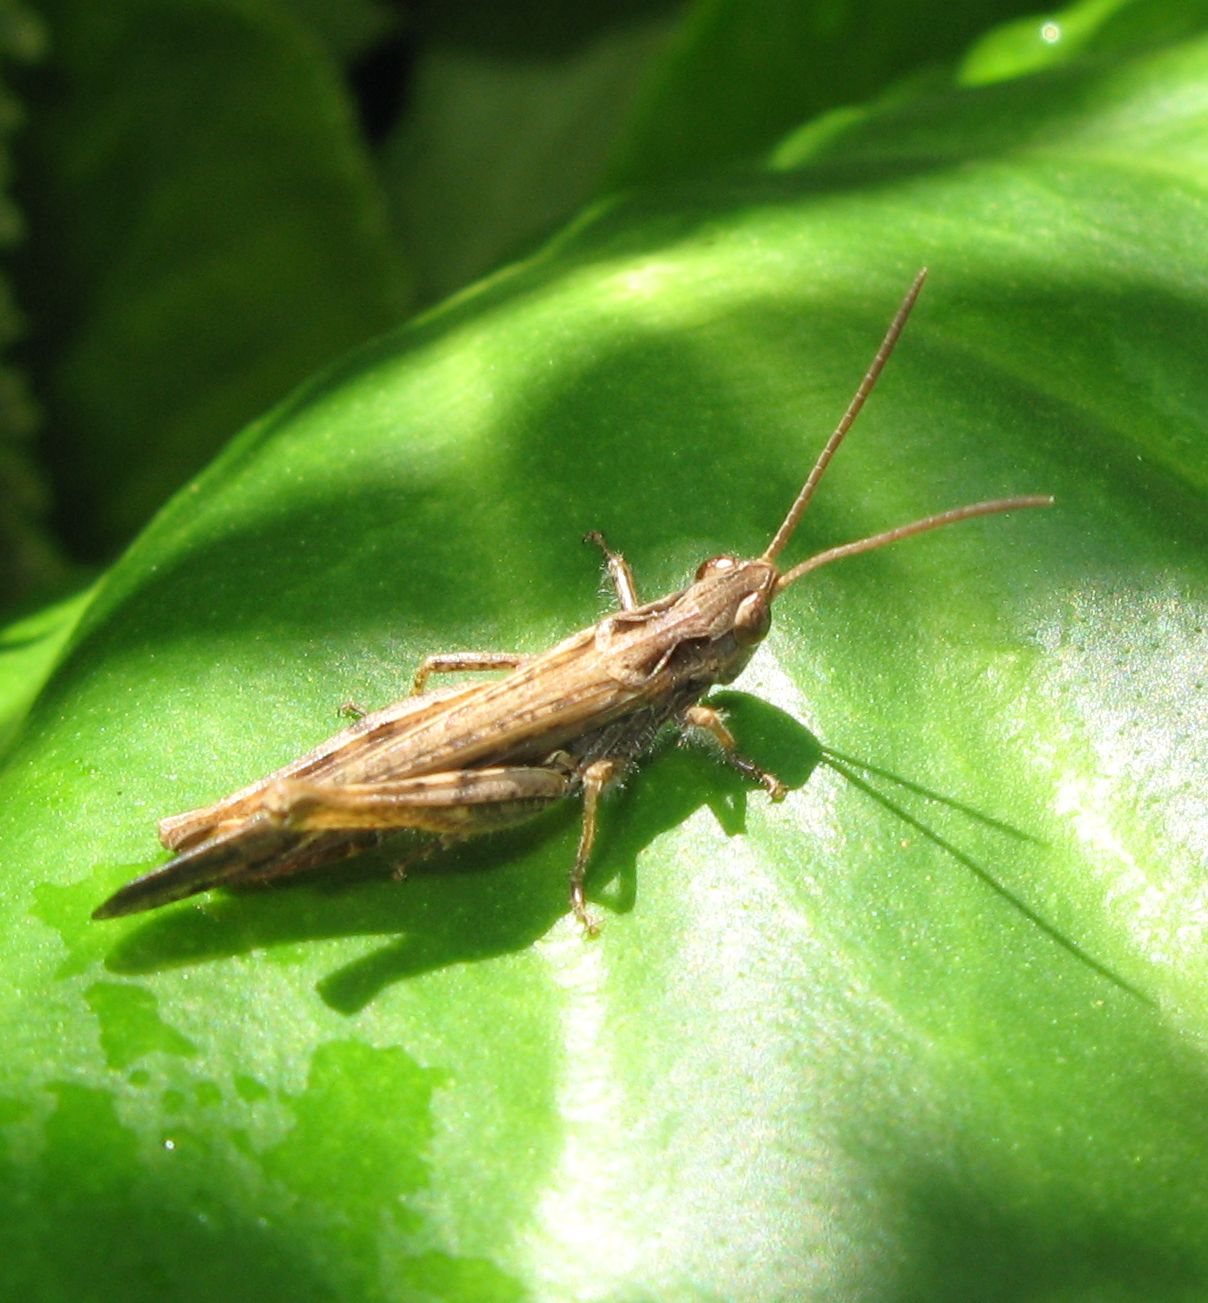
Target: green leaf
[(520, 129), (204, 232), (812, 1054), (518, 115), (741, 72), (348, 29), (1088, 27), (30, 646)]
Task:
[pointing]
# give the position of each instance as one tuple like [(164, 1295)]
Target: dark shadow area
[(494, 895), (965, 1243)]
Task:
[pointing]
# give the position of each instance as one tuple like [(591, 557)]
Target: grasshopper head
[(731, 601), (749, 587)]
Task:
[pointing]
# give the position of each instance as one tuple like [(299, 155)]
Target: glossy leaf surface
[(812, 1054)]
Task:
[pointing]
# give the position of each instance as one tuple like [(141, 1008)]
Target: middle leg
[(710, 721)]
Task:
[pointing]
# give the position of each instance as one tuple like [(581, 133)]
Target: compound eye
[(752, 620), (716, 565)]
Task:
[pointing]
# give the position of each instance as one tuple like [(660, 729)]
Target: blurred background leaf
[(204, 230), (29, 558)]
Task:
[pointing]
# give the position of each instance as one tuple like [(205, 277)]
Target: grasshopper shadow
[(492, 896), (498, 895), (660, 798)]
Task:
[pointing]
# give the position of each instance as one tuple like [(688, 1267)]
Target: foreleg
[(619, 572)]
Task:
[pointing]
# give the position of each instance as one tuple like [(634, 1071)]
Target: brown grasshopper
[(450, 763)]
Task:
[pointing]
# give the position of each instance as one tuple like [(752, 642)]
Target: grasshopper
[(447, 764)]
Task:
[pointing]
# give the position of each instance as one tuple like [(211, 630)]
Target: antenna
[(797, 510), (908, 531)]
